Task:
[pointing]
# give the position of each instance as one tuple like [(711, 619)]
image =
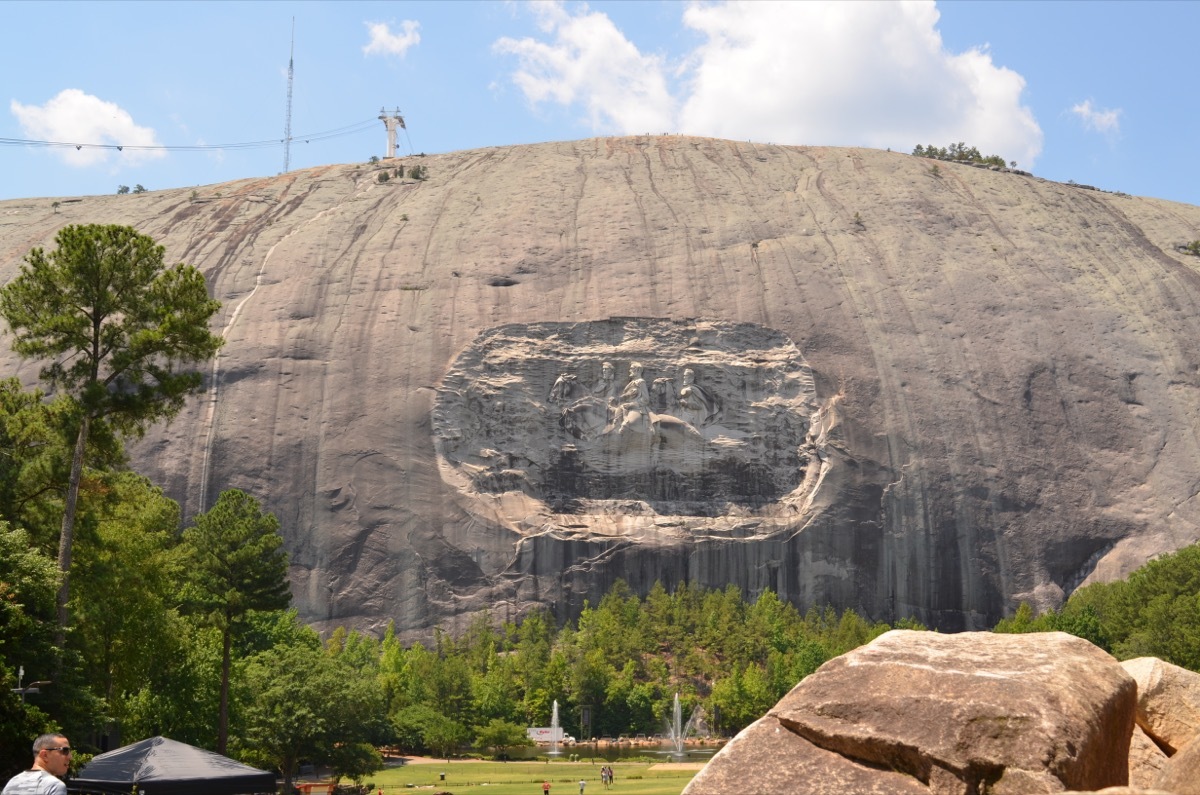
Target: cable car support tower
[(391, 123)]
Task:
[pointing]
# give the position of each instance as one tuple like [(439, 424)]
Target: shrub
[(383, 176)]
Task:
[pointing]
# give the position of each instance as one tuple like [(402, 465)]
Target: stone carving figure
[(633, 410), (662, 396), (563, 388), (696, 405), (605, 388), (591, 415)]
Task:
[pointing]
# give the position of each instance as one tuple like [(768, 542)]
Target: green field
[(525, 778)]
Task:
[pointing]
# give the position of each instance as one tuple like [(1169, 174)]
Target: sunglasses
[(65, 749)]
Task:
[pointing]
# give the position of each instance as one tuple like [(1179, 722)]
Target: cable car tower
[(391, 123), (287, 126)]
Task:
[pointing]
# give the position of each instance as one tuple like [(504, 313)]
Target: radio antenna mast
[(287, 126)]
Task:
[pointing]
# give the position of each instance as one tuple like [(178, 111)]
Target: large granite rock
[(1168, 707), (966, 713), (1181, 774), (913, 395), (771, 759), (1146, 760)]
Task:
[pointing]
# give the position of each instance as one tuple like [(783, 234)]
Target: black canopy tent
[(159, 766)]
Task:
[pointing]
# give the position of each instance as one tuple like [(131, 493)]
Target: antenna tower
[(287, 125)]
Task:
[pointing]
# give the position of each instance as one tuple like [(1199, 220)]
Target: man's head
[(52, 753)]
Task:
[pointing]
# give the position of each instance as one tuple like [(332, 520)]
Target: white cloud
[(384, 42), (590, 63), (825, 73), (1105, 121), (75, 117)]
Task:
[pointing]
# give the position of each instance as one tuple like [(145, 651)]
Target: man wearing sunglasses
[(51, 758)]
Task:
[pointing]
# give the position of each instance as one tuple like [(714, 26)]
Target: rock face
[(911, 394), (965, 713)]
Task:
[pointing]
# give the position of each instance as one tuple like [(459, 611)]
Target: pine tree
[(116, 329), (236, 564)]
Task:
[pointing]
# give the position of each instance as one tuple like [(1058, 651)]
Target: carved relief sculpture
[(532, 423)]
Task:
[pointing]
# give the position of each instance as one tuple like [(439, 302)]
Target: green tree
[(291, 692), (354, 761), (496, 691), (1153, 613), (236, 563), (742, 697), (30, 448), (409, 726), (444, 736), (125, 586), (501, 736), (1024, 621), (117, 330), (28, 581), (179, 699), (450, 684)]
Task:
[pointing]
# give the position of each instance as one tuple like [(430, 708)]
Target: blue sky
[(1103, 93)]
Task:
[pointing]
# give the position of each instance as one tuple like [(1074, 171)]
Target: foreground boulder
[(1181, 774), (1146, 760), (1168, 707), (942, 714), (767, 757)]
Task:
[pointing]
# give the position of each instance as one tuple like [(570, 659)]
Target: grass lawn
[(525, 778)]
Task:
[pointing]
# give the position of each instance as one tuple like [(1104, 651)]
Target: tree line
[(1154, 612), (960, 153)]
